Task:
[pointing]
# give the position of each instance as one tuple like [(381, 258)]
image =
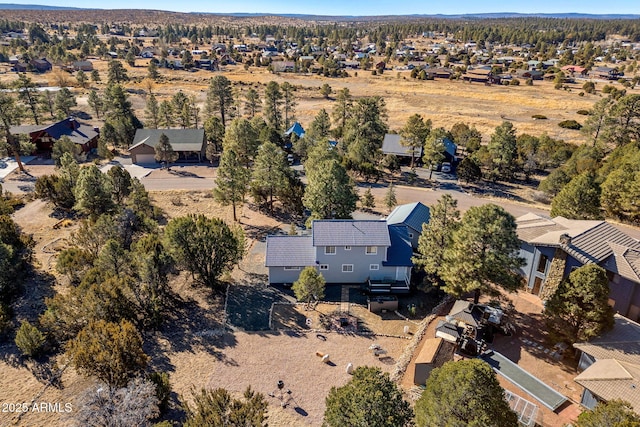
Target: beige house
[(188, 143)]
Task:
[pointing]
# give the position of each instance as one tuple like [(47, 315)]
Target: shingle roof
[(77, 132), (612, 379), (347, 232), (289, 251), (413, 215), (400, 252), (621, 343), (589, 241), (391, 145), (180, 139), (466, 312)]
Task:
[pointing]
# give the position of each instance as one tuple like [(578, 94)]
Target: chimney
[(565, 239), (73, 123)]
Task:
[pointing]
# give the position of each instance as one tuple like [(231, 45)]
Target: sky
[(357, 7)]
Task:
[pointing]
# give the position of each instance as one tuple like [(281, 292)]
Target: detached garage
[(188, 143)]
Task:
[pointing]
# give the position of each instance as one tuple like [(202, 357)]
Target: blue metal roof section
[(295, 128), (400, 252), (412, 215)]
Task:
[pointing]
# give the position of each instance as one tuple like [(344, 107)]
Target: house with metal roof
[(610, 365), (345, 251), (44, 136), (553, 247), (188, 143), (413, 216)]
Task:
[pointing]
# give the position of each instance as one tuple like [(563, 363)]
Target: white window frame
[(374, 267), (347, 248), (292, 268), (347, 265), (374, 250), (324, 267), (327, 252)]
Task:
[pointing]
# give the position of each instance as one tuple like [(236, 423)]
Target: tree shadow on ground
[(188, 327), (249, 303), (183, 174)]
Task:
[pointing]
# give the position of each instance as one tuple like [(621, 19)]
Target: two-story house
[(554, 247), (344, 251)]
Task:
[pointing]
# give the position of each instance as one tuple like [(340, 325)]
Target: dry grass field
[(444, 102)]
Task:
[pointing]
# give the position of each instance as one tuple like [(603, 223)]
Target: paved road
[(428, 196)]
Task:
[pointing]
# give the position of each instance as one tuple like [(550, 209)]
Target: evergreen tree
[(220, 98), (243, 137), (288, 103), (484, 252), (206, 247), (367, 199), (82, 79), (414, 134), (390, 198), (434, 148), (579, 199), (232, 181), (152, 70), (437, 235), (330, 192), (342, 110), (468, 170), (325, 90), (370, 398), (164, 151), (252, 103), (165, 111), (273, 100), (464, 393), (218, 408), (120, 121), (309, 287), (269, 173), (116, 73), (111, 352), (503, 150), (29, 339), (95, 102), (92, 192), (28, 94), (579, 309), (63, 102), (614, 413), (152, 112)]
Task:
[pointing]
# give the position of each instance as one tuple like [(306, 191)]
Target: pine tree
[(152, 112), (579, 199), (414, 134), (390, 198), (232, 181), (503, 150), (310, 286), (367, 199), (437, 234), (220, 98), (330, 192), (164, 151), (252, 103), (484, 252), (269, 173), (273, 99), (92, 192), (579, 309)]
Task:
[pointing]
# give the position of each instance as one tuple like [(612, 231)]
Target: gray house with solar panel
[(345, 251)]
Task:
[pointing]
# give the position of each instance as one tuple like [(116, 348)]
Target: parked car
[(446, 167)]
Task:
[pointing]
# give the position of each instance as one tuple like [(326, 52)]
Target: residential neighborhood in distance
[(215, 218)]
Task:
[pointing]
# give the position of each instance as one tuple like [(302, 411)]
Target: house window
[(542, 263), (347, 268), (347, 248), (292, 268), (329, 250), (371, 250), (324, 266), (374, 266)]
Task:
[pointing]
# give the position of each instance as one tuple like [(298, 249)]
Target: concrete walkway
[(8, 165)]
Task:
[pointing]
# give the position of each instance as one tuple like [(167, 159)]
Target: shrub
[(29, 339), (583, 112), (529, 82), (539, 117), (515, 82), (570, 124), (163, 388)]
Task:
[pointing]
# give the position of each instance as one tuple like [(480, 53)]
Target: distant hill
[(307, 17), (13, 6)]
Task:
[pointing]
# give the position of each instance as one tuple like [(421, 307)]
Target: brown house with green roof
[(188, 143)]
